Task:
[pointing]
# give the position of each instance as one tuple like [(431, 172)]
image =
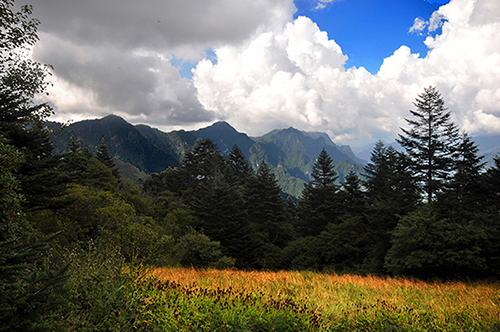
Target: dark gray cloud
[(157, 24), (113, 56)]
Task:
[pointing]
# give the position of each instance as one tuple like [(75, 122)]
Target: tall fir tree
[(74, 144), (352, 194), (466, 189), (26, 290), (430, 142), (269, 215), (391, 193), (219, 213), (241, 169), (319, 204), (104, 156), (203, 164)]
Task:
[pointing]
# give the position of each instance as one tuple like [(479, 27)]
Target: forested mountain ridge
[(290, 153), (125, 142)]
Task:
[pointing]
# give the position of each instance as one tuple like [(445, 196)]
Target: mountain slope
[(176, 142), (292, 140), (225, 136), (290, 153), (124, 141)]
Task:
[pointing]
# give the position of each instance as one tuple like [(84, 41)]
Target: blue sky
[(370, 30)]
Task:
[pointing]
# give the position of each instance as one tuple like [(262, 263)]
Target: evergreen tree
[(203, 164), (391, 193), (221, 218), (74, 144), (428, 244), (268, 213), (430, 142), (26, 290), (466, 191), (21, 120), (241, 170), (352, 195), (319, 204), (492, 184), (104, 156)]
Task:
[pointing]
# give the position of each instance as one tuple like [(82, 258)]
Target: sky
[(350, 68)]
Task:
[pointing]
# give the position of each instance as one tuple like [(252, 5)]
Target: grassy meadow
[(183, 299)]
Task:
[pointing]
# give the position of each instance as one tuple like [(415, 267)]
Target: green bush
[(98, 297)]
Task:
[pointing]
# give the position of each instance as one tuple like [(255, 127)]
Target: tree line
[(429, 212)]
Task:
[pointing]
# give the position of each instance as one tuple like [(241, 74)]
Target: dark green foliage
[(241, 170), (430, 143), (103, 154), (391, 193), (345, 245), (352, 196), (221, 217), (267, 209), (303, 253), (28, 288), (87, 171), (74, 145), (427, 244), (319, 203), (98, 293), (197, 250), (204, 164), (11, 221), (22, 125), (269, 215), (492, 185), (466, 189)]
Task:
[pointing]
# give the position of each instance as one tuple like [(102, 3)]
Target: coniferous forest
[(70, 222)]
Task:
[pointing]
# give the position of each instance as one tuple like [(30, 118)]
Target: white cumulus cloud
[(297, 76)]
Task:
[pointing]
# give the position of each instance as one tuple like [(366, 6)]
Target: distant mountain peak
[(225, 136), (112, 117)]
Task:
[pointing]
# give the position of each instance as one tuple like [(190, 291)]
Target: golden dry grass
[(354, 297)]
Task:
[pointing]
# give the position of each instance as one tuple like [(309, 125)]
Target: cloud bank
[(298, 77), (269, 71)]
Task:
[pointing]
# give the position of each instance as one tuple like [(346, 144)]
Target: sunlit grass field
[(180, 299)]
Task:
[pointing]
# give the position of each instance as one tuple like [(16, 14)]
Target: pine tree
[(203, 164), (391, 193), (319, 204), (267, 209), (465, 189), (26, 291), (352, 195), (218, 209), (430, 142), (74, 144), (104, 156), (22, 121), (241, 170), (492, 184)]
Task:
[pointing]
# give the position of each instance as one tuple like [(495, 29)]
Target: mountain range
[(141, 149)]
